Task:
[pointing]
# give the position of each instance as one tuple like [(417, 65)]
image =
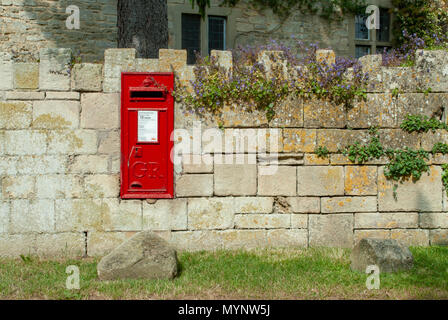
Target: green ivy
[(440, 147), (419, 123)]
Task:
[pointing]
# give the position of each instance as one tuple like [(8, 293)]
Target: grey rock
[(389, 255), (144, 256)]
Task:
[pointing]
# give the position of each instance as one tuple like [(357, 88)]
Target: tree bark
[(143, 25)]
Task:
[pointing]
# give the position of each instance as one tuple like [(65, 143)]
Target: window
[(216, 33), (191, 35), (375, 40)]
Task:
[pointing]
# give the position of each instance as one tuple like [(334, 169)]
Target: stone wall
[(60, 164)]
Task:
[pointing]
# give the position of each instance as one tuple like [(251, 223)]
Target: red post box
[(147, 121)]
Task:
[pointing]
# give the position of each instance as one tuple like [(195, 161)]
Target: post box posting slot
[(147, 121)]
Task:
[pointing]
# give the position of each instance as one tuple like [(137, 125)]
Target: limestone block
[(320, 181), (109, 142), (87, 77), (312, 159), (371, 233), (299, 221), (55, 95), (423, 195), (360, 180), (64, 245), (4, 217), (8, 166), (6, 71), (100, 110), (379, 110), (45, 164), (146, 65), (281, 183), (434, 64), (274, 62), (14, 245), (32, 216), (434, 220), (299, 140), (223, 58), (253, 204), (235, 179), (165, 215), (55, 114), (438, 237), (72, 142), (411, 237), (289, 238), (59, 186), (26, 75), (323, 114), (24, 95), (326, 56), (333, 230), (197, 163), (430, 105), (54, 69), (89, 164), (102, 186), (212, 213), (336, 140), (398, 139), (115, 62), (232, 116), (125, 215), (288, 113), (197, 240), (18, 187), (349, 204), (24, 142), (304, 204), (101, 243), (429, 139), (172, 60), (15, 115), (386, 220), (194, 185), (247, 239), (403, 78), (262, 221)]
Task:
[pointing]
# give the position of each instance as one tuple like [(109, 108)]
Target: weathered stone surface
[(299, 221), (424, 195), (125, 215), (72, 142), (434, 63), (6, 71), (312, 159), (438, 237), (59, 186), (172, 60), (288, 113), (434, 220), (235, 179), (304, 204), (45, 164), (274, 63), (299, 140), (15, 115), (102, 243), (115, 62), (333, 230), (146, 65), (18, 187), (253, 204), (430, 105), (100, 111), (54, 69), (326, 56), (398, 139), (411, 237), (26, 75), (65, 245), (323, 114), (262, 221), (32, 216), (232, 117), (386, 220), (24, 142), (212, 213), (194, 185), (165, 215), (109, 142), (144, 256), (4, 216), (102, 186), (87, 77), (402, 78), (371, 233), (55, 95), (197, 163), (223, 58), (349, 204), (335, 140), (320, 181), (379, 110), (89, 164), (196, 240), (289, 238), (55, 114), (247, 239), (24, 95), (388, 255), (360, 180), (429, 139), (281, 183)]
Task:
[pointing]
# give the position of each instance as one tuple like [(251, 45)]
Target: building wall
[(28, 25), (60, 164)]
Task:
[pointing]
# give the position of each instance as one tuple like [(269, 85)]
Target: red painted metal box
[(147, 121)]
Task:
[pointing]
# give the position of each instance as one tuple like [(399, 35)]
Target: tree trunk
[(143, 25)]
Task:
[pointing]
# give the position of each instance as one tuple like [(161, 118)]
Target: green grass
[(257, 274)]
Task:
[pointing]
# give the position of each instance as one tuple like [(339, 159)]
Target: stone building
[(28, 25)]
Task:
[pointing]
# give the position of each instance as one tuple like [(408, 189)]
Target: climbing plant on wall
[(326, 8)]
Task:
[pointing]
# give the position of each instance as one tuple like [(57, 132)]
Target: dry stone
[(388, 255), (144, 256)]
